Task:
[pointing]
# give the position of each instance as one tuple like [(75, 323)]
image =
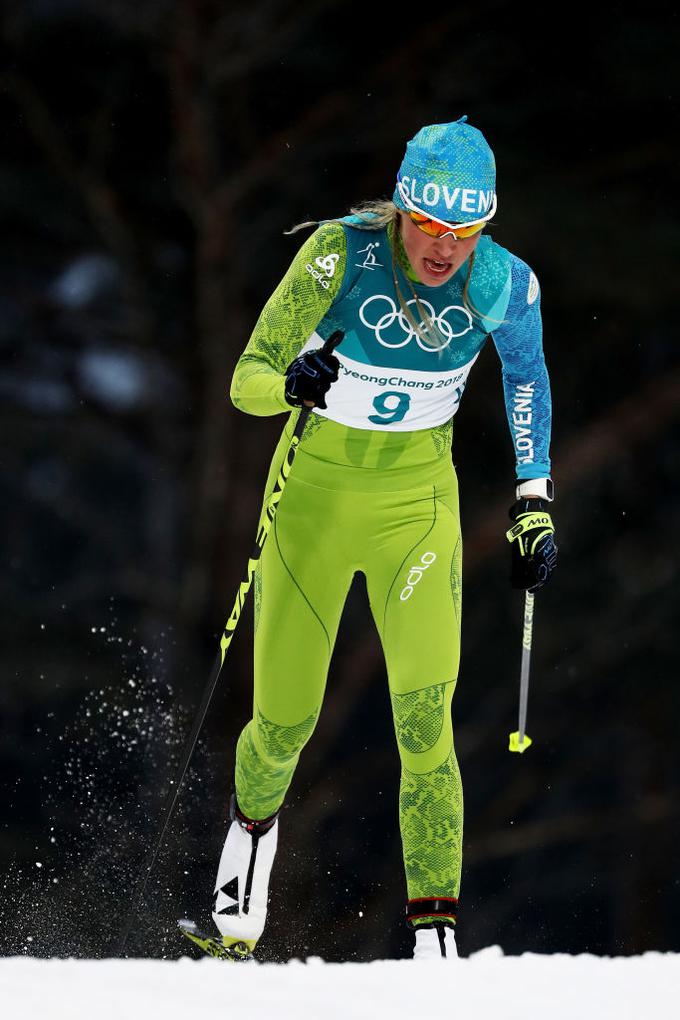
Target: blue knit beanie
[(448, 172)]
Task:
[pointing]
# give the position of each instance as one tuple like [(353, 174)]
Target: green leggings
[(407, 542)]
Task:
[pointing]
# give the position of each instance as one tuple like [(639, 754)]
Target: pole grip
[(333, 341), (329, 346)]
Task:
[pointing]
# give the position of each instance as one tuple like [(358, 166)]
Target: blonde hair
[(381, 214)]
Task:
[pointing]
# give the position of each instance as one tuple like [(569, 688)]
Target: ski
[(237, 952)]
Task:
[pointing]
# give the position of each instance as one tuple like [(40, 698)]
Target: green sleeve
[(287, 321)]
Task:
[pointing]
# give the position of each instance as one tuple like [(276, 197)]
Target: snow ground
[(485, 986)]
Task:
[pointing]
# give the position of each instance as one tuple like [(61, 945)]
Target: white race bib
[(392, 399)]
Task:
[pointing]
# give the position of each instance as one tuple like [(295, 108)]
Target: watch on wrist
[(540, 487)]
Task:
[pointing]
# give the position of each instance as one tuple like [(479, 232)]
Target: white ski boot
[(435, 936), (435, 941), (240, 901)]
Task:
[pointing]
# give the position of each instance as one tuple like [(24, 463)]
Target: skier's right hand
[(309, 378)]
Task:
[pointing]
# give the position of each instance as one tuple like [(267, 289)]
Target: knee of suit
[(422, 722), (277, 744)]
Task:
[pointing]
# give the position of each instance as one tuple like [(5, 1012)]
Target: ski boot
[(432, 921), (239, 906)]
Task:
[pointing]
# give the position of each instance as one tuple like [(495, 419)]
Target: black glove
[(309, 377), (533, 551)]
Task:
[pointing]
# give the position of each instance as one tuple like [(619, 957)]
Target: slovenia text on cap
[(448, 172)]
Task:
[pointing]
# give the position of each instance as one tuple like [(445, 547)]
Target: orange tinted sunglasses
[(435, 228)]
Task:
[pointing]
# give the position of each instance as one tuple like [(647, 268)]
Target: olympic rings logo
[(393, 314)]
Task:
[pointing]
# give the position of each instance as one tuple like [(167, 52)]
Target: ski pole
[(519, 741), (226, 639)]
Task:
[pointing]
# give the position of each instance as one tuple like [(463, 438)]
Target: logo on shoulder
[(326, 269), (532, 293), (370, 262)]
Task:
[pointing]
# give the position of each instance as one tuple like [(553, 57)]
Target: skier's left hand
[(532, 546)]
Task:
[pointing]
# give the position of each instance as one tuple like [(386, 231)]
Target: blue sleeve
[(519, 342)]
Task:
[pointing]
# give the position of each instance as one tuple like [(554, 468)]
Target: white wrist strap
[(535, 487)]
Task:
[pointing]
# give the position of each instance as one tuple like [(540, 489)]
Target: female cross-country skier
[(417, 287)]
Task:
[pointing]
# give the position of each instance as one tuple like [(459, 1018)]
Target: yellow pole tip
[(515, 744)]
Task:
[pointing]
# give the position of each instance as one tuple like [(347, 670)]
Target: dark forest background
[(153, 153)]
